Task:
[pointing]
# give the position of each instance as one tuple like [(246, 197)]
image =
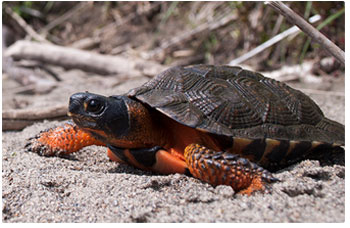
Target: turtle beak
[(76, 103)]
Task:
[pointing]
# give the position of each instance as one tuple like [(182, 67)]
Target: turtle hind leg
[(219, 168), (61, 140)]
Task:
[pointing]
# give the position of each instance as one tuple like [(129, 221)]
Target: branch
[(71, 58), (270, 42), (63, 17), (29, 30), (309, 29), (18, 119)]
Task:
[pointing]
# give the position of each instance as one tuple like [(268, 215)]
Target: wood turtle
[(221, 124)]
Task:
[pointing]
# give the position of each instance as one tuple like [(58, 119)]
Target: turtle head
[(100, 114)]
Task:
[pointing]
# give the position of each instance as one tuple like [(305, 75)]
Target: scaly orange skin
[(64, 139), (216, 169)]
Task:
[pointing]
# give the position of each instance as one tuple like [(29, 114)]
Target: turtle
[(221, 124)]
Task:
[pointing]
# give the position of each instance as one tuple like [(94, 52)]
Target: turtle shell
[(235, 102)]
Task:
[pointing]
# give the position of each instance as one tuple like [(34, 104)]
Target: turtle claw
[(27, 146), (271, 179), (267, 177), (36, 146)]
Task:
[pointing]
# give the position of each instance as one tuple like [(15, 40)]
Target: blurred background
[(179, 33)]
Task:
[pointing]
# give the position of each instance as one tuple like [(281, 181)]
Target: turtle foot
[(60, 140), (225, 168)]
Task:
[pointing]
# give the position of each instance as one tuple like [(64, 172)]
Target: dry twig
[(309, 29), (270, 42), (32, 81), (18, 119), (44, 31), (27, 28), (71, 58), (86, 43)]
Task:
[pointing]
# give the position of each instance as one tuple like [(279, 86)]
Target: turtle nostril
[(75, 102), (74, 106)]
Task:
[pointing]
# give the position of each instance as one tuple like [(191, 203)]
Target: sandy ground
[(87, 187)]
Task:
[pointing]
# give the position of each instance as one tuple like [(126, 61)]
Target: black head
[(96, 112)]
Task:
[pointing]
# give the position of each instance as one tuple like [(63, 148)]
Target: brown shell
[(235, 102)]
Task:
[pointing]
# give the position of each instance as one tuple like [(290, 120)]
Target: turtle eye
[(94, 106)]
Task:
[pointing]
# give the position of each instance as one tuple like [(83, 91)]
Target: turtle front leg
[(219, 168), (61, 140)]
